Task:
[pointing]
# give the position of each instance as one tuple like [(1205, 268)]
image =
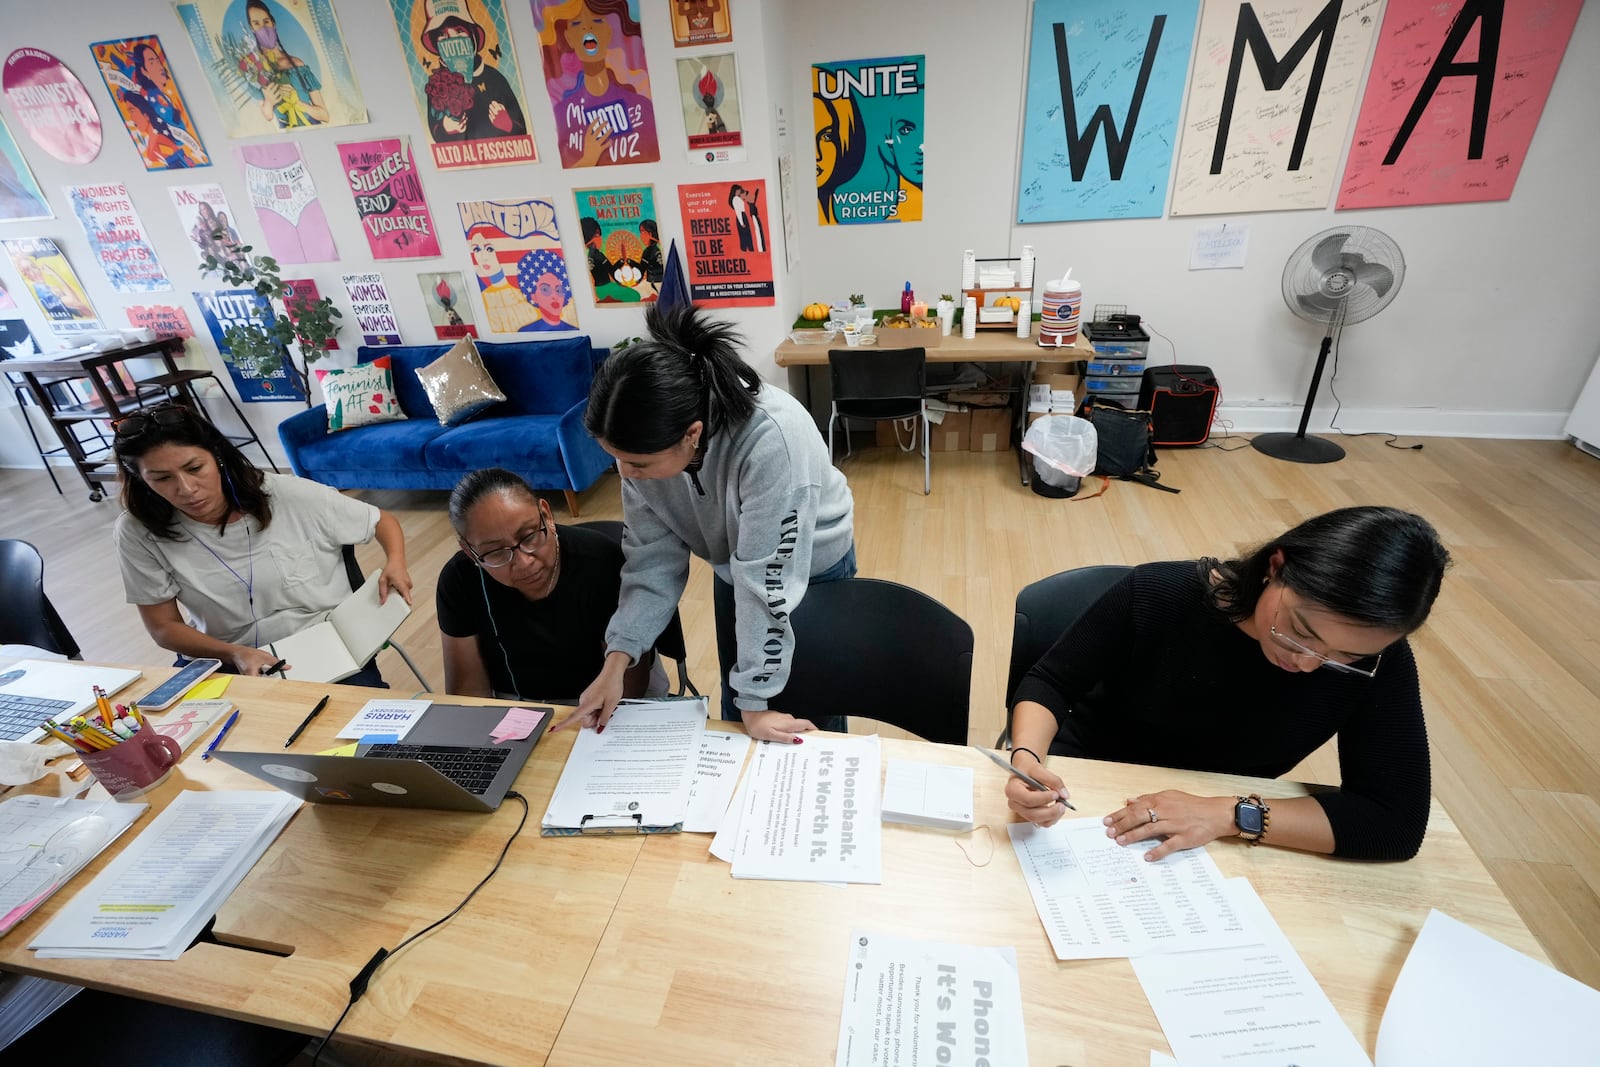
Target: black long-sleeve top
[(1184, 687)]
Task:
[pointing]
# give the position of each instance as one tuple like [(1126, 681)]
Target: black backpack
[(1126, 448)]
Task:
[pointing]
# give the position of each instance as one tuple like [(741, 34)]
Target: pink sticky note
[(518, 724)]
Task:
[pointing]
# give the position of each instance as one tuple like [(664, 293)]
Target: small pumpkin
[(1012, 302), (815, 312)]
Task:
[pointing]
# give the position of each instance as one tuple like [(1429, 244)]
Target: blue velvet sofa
[(538, 431)]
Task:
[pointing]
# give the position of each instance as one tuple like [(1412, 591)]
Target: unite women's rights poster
[(868, 117)]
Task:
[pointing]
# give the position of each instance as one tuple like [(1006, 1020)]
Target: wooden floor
[(1510, 660)]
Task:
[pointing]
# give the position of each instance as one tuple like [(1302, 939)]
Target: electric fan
[(1340, 276)]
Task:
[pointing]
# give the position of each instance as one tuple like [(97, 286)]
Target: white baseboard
[(1408, 422)]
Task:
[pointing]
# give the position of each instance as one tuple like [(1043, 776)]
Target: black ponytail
[(645, 397)]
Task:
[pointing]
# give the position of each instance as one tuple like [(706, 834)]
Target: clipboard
[(605, 825), (601, 793)]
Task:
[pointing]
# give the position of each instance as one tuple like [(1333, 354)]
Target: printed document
[(910, 1002), (633, 777), (394, 718), (721, 759), (154, 899), (346, 640), (810, 812), (1252, 1006), (45, 841), (1466, 1000), (1101, 900)]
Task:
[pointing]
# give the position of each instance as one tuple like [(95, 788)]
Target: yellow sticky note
[(210, 689), (342, 750)]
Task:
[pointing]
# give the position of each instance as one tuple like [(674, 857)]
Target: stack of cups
[(969, 318), (1025, 318), (1058, 317)]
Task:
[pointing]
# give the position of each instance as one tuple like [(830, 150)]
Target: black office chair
[(880, 384), (26, 614), (1044, 611), (884, 651), (671, 643), (352, 572)]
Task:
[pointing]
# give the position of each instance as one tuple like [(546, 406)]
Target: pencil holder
[(133, 767)]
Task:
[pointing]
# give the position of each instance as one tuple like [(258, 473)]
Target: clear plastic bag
[(1064, 449)]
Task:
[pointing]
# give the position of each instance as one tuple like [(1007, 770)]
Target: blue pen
[(215, 741)]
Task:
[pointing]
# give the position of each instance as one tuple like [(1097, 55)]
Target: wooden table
[(598, 951), (989, 346)]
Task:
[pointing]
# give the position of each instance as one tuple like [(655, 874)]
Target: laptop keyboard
[(473, 769), (19, 714)]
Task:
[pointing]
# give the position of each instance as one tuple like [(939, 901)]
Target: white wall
[(1491, 334), (374, 49)]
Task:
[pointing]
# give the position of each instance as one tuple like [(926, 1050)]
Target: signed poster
[(383, 178)]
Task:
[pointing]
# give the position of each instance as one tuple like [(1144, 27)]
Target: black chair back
[(671, 643), (880, 650), (878, 383), (1046, 608), (26, 614)]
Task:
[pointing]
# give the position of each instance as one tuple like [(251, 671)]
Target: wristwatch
[(1250, 815)]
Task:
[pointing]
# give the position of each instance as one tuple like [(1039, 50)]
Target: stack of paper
[(45, 841), (26, 1001), (153, 900), (635, 777), (808, 813), (928, 794)]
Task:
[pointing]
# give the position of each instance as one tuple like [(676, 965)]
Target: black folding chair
[(876, 649), (26, 614), (1044, 611), (880, 384), (671, 643)]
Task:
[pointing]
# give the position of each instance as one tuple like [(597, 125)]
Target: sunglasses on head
[(142, 422)]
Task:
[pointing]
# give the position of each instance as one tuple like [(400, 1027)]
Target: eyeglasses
[(141, 422), (528, 546), (1287, 642)]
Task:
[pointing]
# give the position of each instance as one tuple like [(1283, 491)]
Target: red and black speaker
[(1181, 399)]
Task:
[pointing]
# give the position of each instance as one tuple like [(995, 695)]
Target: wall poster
[(291, 216), (594, 72), (224, 309), (621, 243), (55, 287), (274, 65), (20, 196), (203, 213), (52, 105), (868, 116), (730, 256), (297, 294), (444, 293), (141, 85), (17, 340), (369, 303), (709, 90), (1105, 88), (516, 256), (394, 213), (117, 238), (701, 22), (167, 321), (463, 70), (1270, 97), (1454, 96)]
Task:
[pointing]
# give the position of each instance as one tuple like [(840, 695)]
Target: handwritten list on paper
[(1220, 246)]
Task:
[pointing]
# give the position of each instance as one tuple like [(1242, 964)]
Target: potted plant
[(946, 310), (286, 318), (858, 302)]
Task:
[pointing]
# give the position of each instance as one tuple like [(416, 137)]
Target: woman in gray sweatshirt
[(718, 464)]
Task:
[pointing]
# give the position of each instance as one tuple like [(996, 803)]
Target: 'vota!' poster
[(868, 117)]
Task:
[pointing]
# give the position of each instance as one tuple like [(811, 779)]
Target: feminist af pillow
[(360, 395)]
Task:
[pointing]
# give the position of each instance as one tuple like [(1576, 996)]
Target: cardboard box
[(1060, 386), (954, 434), (991, 429)]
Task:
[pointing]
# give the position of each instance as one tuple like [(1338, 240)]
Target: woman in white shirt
[(252, 557)]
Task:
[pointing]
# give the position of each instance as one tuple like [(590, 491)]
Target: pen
[(215, 741), (275, 668), (1033, 783), (298, 730)]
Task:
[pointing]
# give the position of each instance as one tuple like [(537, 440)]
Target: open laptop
[(446, 762), (33, 690)]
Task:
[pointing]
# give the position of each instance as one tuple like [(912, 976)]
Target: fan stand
[(1297, 447)]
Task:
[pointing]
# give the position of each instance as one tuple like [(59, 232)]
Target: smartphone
[(167, 693)]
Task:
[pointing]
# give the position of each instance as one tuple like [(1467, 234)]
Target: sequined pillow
[(458, 384), (360, 395)]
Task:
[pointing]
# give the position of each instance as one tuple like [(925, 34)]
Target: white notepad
[(346, 640), (928, 794)]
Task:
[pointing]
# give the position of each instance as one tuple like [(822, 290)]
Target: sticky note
[(517, 724), (379, 739), (210, 689), (342, 750)]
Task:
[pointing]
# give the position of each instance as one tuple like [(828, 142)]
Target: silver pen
[(1033, 782)]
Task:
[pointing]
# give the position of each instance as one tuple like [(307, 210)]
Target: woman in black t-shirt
[(523, 606), (1247, 666)]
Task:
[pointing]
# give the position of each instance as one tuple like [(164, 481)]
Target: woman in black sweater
[(1247, 666)]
